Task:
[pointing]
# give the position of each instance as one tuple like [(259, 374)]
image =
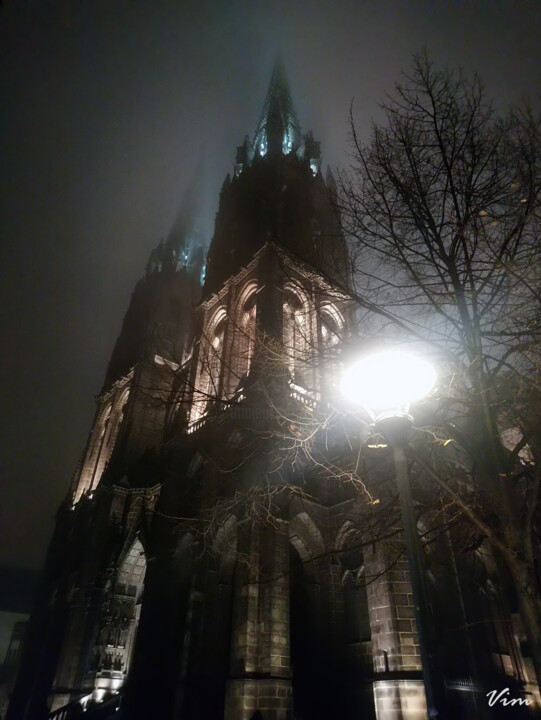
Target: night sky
[(106, 109)]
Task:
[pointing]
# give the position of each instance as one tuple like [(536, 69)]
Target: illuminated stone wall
[(260, 662), (399, 694)]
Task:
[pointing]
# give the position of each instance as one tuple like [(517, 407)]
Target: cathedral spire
[(184, 247), (278, 130)]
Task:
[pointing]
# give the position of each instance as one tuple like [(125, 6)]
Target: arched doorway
[(120, 614)]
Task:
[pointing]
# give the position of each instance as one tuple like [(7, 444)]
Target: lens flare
[(388, 380)]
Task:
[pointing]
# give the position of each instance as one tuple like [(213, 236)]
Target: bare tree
[(442, 209)]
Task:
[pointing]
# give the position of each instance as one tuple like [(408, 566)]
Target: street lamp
[(385, 384)]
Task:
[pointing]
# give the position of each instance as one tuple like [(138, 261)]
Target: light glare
[(388, 380)]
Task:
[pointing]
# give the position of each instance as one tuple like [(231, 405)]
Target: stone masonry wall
[(399, 695), (260, 658)]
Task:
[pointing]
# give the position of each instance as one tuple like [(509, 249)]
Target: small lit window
[(287, 143)]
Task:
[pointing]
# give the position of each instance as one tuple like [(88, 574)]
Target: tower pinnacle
[(278, 130)]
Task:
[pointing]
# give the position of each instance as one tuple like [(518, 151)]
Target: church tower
[(216, 557), (83, 629)]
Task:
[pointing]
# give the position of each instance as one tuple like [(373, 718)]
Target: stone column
[(398, 688), (260, 678)]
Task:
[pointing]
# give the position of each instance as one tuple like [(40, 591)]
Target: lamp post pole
[(396, 429), (385, 383)]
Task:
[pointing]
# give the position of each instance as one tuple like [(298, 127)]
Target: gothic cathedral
[(224, 550)]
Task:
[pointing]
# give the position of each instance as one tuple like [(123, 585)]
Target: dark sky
[(105, 109)]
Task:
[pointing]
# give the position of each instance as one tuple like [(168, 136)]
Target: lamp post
[(385, 384)]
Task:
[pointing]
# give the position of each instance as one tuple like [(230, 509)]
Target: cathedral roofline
[(294, 261)]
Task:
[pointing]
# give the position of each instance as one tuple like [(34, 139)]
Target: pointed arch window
[(332, 327), (102, 428), (297, 334), (248, 329), (209, 373), (109, 427), (102, 442), (244, 346), (116, 420), (215, 357)]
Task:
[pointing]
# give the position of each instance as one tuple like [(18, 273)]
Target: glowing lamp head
[(388, 380)]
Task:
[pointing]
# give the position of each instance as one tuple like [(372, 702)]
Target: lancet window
[(297, 334), (215, 357), (102, 443), (103, 429), (209, 375), (245, 334), (332, 326)]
